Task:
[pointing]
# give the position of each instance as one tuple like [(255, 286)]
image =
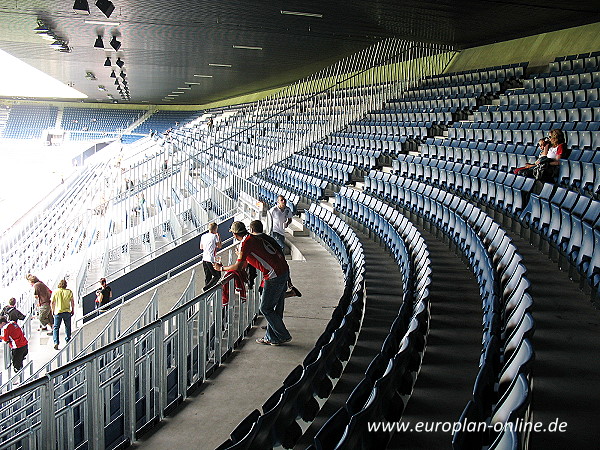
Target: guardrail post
[(160, 368), (183, 349), (47, 415), (129, 388), (95, 422)]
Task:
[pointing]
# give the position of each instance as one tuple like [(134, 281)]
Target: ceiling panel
[(165, 43)]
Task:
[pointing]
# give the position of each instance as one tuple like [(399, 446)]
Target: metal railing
[(103, 399)]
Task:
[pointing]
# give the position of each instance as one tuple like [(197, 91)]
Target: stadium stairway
[(383, 286), (450, 363), (567, 367)]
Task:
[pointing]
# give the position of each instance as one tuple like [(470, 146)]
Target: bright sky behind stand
[(18, 79)]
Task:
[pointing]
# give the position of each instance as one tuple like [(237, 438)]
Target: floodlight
[(99, 42), (81, 7), (107, 7), (115, 44)]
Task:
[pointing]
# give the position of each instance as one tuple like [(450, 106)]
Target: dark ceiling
[(166, 43)]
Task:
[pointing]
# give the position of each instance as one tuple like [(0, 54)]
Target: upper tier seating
[(28, 121)]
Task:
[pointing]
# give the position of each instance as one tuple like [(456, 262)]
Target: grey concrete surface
[(255, 371)]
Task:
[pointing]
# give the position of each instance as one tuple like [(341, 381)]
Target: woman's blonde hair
[(557, 137)]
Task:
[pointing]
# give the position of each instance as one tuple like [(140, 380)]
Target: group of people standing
[(54, 308), (256, 249), (264, 253)]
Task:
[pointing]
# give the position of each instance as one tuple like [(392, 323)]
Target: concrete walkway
[(253, 372)]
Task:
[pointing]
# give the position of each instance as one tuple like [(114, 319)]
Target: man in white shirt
[(281, 217), (209, 243)]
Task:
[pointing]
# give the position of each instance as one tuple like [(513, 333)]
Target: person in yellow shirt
[(63, 307)]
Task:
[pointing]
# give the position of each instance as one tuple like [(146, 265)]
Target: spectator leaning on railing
[(13, 335)]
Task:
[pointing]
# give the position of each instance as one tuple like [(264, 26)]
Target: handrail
[(177, 351), (152, 254), (143, 287)]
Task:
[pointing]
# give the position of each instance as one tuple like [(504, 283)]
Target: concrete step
[(296, 227)]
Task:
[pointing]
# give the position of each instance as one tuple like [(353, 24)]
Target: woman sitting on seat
[(546, 167)]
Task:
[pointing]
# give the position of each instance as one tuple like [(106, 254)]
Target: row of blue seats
[(575, 139), (506, 193), (326, 228), (400, 236), (391, 109), (545, 126), (333, 144), (395, 129), (304, 389), (581, 98), (334, 172), (581, 176), (492, 159), (448, 104), (361, 158), (498, 73), (560, 83), (570, 224), (536, 106), (356, 141), (389, 379), (310, 187), (538, 115), (507, 321), (268, 193), (568, 66), (519, 149), (400, 132), (391, 118), (465, 90), (576, 56)]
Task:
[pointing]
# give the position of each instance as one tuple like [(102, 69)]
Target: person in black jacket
[(11, 311)]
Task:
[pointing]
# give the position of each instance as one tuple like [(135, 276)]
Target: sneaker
[(285, 341), (264, 327), (296, 291), (55, 346), (265, 341), (49, 333)]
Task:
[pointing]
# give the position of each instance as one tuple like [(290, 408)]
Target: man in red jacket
[(13, 335)]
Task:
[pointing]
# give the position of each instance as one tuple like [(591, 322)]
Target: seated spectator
[(11, 311), (553, 148)]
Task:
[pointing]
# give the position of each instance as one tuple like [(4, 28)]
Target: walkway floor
[(254, 371)]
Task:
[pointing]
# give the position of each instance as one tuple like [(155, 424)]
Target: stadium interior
[(448, 300)]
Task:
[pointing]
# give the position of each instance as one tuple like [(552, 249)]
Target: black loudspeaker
[(106, 7), (81, 6)]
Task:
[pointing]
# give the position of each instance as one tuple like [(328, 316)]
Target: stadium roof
[(233, 47)]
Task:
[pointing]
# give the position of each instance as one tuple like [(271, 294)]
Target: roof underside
[(164, 44)]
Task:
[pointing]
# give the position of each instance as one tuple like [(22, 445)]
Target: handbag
[(541, 169)]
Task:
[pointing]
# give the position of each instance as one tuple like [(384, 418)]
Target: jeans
[(272, 304), (58, 318), (280, 238)]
